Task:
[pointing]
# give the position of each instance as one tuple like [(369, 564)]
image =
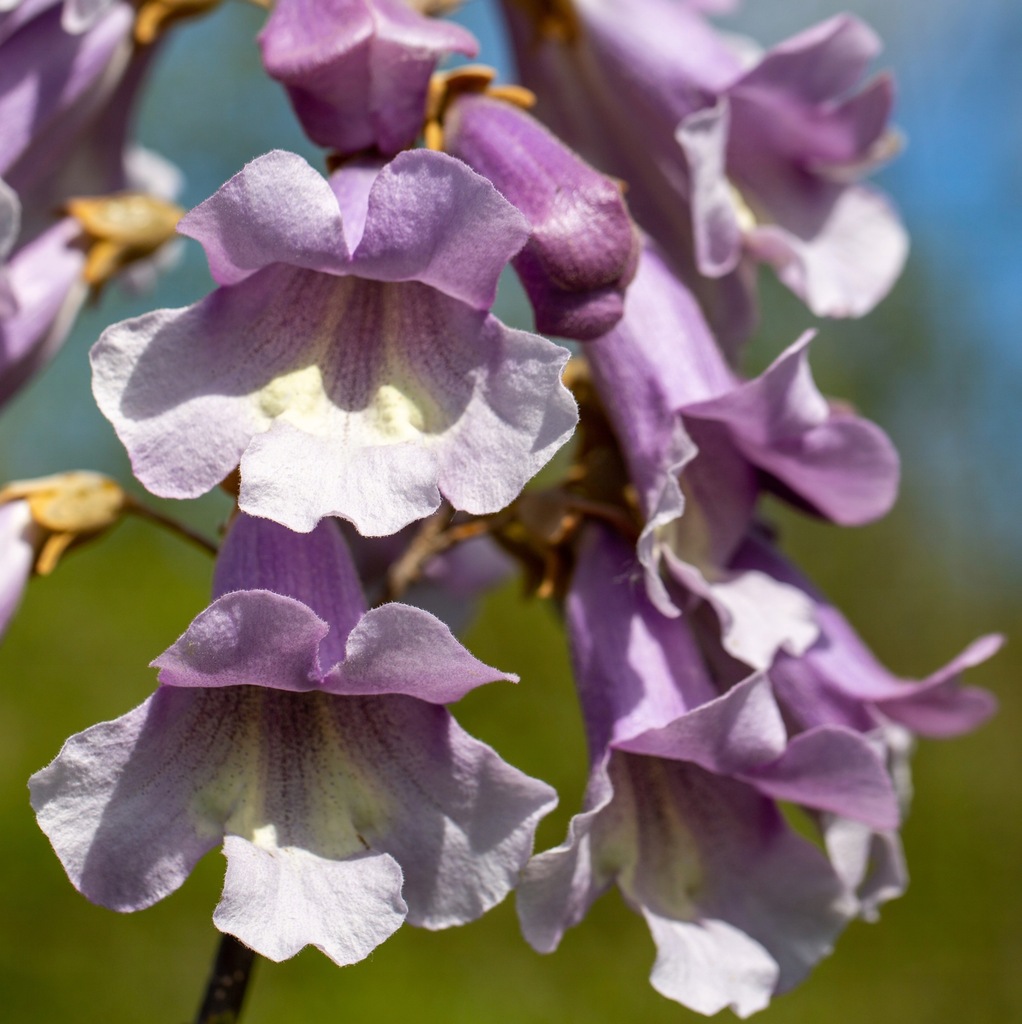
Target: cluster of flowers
[(348, 383)]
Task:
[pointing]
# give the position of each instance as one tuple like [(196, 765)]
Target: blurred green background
[(937, 365)]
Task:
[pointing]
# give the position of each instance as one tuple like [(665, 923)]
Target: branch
[(225, 991)]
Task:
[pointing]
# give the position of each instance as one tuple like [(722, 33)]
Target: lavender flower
[(729, 154), (307, 734), (347, 361), (680, 812), (700, 445), (357, 71), (54, 86)]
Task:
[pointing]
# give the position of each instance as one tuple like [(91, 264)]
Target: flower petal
[(46, 291), (718, 236), (276, 209), (399, 649), (432, 219), (251, 637), (838, 248), (278, 900), (131, 805), (710, 966), (844, 466)]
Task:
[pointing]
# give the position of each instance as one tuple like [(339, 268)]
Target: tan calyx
[(473, 79), (434, 8), (155, 16), (67, 508), (120, 229), (554, 21)]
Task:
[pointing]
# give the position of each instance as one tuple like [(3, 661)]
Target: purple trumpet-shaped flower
[(53, 87), (357, 71), (584, 248), (729, 156), (700, 444), (308, 735), (680, 810), (46, 290), (47, 279), (348, 360), (838, 681)]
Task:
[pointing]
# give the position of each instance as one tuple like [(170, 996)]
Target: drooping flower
[(838, 681), (49, 278), (54, 86), (357, 71), (700, 445), (347, 361), (680, 812), (308, 735), (730, 155)]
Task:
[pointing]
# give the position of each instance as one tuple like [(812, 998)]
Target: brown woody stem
[(225, 991), (192, 536)]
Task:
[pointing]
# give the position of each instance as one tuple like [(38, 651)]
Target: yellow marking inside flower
[(747, 220), (265, 837), (298, 397), (396, 415), (666, 854)]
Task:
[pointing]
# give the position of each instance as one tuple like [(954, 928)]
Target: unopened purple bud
[(584, 248)]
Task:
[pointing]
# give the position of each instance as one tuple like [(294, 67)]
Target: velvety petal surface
[(131, 805), (710, 966), (759, 615), (277, 209), (278, 900), (842, 465), (839, 663), (311, 782), (635, 669), (703, 138), (838, 248), (721, 880), (432, 219), (339, 396)]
